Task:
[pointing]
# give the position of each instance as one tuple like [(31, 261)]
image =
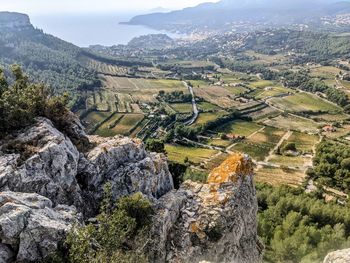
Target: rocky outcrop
[(44, 179), (124, 163), (340, 256), (49, 181), (30, 227), (215, 222), (14, 21), (41, 160)]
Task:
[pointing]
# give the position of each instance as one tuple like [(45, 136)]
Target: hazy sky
[(84, 6)]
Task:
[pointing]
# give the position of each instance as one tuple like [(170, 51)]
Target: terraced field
[(239, 127), (216, 95), (178, 153), (304, 102), (123, 124), (291, 122), (208, 117)]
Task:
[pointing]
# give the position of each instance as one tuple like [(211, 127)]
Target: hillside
[(43, 57), (228, 14)]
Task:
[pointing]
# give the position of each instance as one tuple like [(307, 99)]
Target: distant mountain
[(45, 58), (225, 12)]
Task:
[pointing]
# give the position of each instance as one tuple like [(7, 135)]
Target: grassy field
[(237, 90), (291, 122), (268, 137), (177, 153), (182, 107), (95, 117), (304, 102), (326, 72), (219, 142), (296, 162), (215, 162), (216, 95), (242, 128), (256, 151), (278, 176), (117, 125), (304, 142), (261, 94), (207, 106), (207, 117), (106, 129), (261, 84)]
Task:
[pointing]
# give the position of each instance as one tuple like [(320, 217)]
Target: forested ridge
[(46, 59)]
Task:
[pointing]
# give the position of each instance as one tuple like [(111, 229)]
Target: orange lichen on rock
[(234, 166)]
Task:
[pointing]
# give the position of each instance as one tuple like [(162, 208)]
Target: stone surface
[(213, 222), (31, 227), (340, 256), (126, 165), (41, 160)]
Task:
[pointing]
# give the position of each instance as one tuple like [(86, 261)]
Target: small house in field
[(329, 128)]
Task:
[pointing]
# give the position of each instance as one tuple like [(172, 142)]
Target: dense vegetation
[(304, 82), (119, 235), (298, 227), (45, 59), (174, 96), (312, 46), (22, 101), (332, 165)]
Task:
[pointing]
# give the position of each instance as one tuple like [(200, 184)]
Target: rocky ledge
[(49, 182), (340, 256)]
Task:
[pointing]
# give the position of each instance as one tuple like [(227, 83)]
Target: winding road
[(194, 106)]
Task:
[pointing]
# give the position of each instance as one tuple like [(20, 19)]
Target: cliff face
[(47, 185), (215, 222), (14, 21)]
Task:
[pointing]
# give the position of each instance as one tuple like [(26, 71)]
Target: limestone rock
[(30, 227), (6, 254), (213, 222), (126, 165), (41, 160), (340, 256)]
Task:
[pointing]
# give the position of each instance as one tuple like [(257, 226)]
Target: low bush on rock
[(22, 101), (118, 235)]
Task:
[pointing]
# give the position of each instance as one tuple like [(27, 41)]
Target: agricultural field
[(266, 59), (240, 127), (268, 137), (261, 84), (304, 143), (268, 92), (255, 150), (326, 72), (206, 117), (120, 124), (237, 90), (104, 68), (292, 122), (206, 106), (94, 118), (304, 102), (216, 95), (178, 153), (181, 107), (280, 176)]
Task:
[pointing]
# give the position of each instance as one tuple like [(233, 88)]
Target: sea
[(84, 30)]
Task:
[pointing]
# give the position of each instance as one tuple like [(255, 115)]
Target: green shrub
[(118, 235), (23, 101)]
